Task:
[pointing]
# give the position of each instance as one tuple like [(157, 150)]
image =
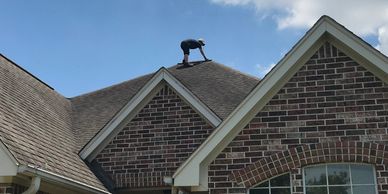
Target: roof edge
[(25, 71), (199, 154), (105, 131), (193, 172), (50, 176), (99, 141)]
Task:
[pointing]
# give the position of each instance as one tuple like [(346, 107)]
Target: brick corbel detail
[(297, 157)]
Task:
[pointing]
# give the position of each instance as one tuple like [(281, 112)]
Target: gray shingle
[(41, 127), (93, 110), (219, 87), (35, 124)]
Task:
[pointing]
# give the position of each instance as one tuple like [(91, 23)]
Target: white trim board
[(113, 127), (194, 171), (10, 169), (8, 163)]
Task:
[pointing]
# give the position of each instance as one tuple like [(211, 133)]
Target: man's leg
[(186, 51), (186, 58)]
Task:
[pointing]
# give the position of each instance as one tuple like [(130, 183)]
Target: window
[(277, 185), (340, 179)]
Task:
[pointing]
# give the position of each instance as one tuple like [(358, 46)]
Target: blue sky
[(81, 46)]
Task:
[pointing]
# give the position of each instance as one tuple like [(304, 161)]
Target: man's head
[(201, 41)]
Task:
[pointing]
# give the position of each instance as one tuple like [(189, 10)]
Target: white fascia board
[(58, 179), (102, 138), (105, 132), (191, 172), (9, 164), (375, 59), (191, 99)]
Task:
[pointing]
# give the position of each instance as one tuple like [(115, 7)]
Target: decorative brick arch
[(297, 157)]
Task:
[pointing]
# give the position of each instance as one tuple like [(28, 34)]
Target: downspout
[(34, 186), (35, 180)]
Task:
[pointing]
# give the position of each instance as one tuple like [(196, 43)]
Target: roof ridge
[(149, 74), (224, 67)]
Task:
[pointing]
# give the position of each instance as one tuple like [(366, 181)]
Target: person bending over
[(188, 44)]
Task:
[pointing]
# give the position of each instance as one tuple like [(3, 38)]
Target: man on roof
[(188, 44)]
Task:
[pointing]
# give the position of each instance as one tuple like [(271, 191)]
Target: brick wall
[(293, 159), (330, 99), (163, 135)]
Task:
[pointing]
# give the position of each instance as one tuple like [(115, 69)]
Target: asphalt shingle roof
[(35, 125), (93, 110), (41, 127), (219, 87)]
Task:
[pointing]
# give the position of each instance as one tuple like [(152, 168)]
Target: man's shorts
[(185, 48)]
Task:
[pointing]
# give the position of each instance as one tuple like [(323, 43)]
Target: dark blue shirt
[(192, 44)]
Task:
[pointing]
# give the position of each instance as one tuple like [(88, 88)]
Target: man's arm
[(203, 53)]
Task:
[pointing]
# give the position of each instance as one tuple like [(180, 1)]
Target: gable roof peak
[(130, 109), (194, 171)]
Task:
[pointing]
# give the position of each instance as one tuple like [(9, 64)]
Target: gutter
[(53, 177)]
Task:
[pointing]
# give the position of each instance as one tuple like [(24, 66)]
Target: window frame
[(350, 177), (269, 184)]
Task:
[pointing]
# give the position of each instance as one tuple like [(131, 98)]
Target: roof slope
[(218, 86), (208, 81), (93, 110), (35, 125)]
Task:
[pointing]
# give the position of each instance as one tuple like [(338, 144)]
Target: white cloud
[(264, 69), (361, 17), (383, 39)]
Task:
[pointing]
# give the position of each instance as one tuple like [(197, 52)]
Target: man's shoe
[(186, 64)]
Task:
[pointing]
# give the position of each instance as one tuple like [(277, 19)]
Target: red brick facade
[(330, 99), (297, 157), (154, 144)]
